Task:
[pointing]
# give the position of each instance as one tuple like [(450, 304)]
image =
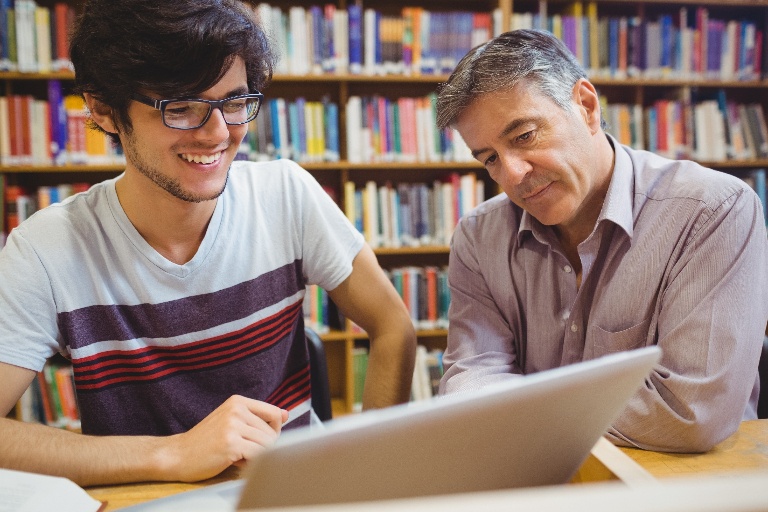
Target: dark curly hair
[(174, 49)]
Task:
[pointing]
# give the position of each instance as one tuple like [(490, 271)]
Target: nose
[(214, 127), (515, 168)]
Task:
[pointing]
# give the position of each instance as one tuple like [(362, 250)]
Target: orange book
[(49, 418), (431, 277)]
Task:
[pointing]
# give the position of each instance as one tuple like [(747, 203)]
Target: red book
[(26, 129)]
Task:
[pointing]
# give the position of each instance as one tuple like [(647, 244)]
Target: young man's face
[(191, 165), (540, 154)]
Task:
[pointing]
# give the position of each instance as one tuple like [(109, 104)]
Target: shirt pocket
[(608, 342)]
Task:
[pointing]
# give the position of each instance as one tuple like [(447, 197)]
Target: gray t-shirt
[(156, 346)]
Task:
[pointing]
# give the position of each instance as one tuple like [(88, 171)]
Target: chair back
[(318, 374)]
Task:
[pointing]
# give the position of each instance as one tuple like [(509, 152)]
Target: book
[(32, 492)]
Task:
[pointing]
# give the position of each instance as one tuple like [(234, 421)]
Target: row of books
[(51, 398), (318, 39), (402, 130), (54, 131), (427, 372), (34, 38), (326, 39), (19, 203), (688, 44), (51, 131), (378, 129), (424, 291), (710, 130), (411, 214), (305, 131)]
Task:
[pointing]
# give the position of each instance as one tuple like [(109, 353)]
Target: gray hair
[(504, 61)]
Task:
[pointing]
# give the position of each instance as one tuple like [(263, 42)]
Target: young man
[(596, 248), (176, 288)]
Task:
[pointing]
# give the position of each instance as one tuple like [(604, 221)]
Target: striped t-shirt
[(156, 346)]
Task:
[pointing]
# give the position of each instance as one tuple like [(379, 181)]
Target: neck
[(173, 227)]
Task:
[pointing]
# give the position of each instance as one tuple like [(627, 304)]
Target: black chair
[(762, 401), (318, 374)]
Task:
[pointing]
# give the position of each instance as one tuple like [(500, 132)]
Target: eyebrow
[(511, 127)]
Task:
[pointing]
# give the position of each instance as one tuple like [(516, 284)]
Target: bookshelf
[(343, 170)]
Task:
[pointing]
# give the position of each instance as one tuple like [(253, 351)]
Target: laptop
[(530, 431)]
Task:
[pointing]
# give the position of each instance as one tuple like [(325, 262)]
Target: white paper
[(30, 492)]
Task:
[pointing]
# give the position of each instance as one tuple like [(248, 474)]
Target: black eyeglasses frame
[(219, 104)]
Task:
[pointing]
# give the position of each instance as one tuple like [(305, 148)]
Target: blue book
[(58, 122), (613, 45), (652, 130), (759, 176), (5, 58), (275, 116), (317, 23), (355, 19), (359, 210), (667, 42), (331, 115), (297, 151), (302, 148)]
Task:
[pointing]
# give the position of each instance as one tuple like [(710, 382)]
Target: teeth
[(201, 159)]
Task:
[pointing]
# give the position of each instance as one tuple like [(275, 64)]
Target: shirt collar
[(618, 203)]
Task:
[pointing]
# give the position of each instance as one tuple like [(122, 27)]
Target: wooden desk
[(119, 496), (746, 450)]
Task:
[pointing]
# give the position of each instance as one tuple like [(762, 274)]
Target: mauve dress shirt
[(678, 258)]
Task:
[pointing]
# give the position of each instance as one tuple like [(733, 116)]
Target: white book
[(371, 218), (299, 45), (282, 125), (728, 57), (26, 53), (341, 41), (467, 192), (281, 37), (717, 127), (39, 132), (449, 212), (461, 152), (354, 114), (369, 42)]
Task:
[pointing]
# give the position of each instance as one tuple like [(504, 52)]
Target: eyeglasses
[(191, 114)]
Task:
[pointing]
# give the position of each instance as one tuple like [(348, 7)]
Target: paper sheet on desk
[(30, 492), (221, 497)]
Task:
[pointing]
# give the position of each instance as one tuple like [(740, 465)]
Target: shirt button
[(567, 269), (574, 327)]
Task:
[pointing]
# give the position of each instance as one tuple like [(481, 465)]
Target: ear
[(587, 104), (101, 114)]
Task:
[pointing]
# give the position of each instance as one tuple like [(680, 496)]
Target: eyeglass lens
[(192, 113)]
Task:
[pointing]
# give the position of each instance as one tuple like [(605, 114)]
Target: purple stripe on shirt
[(92, 324)]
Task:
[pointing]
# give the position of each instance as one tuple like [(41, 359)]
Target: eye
[(233, 106), (490, 160), (525, 137)]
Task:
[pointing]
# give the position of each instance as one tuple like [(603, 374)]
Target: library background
[(352, 100)]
